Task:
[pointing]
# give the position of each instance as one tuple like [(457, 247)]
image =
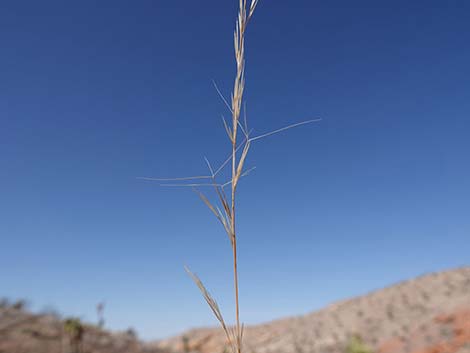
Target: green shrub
[(73, 326), (357, 345), (74, 329)]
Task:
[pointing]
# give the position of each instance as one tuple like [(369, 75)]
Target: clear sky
[(96, 93)]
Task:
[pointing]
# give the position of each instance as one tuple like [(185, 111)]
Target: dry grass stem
[(226, 214)]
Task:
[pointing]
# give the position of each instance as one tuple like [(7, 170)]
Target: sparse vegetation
[(319, 332), (131, 333), (74, 329), (357, 345), (22, 331), (20, 304), (440, 328), (186, 347)]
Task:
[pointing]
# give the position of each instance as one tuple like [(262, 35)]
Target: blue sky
[(94, 95)]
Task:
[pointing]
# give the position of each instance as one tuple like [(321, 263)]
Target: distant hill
[(24, 332), (429, 314)]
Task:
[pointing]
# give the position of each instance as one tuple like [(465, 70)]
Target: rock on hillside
[(429, 314)]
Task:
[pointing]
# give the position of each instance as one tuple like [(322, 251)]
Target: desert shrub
[(186, 348), (20, 304), (74, 329), (130, 332), (357, 345), (73, 326)]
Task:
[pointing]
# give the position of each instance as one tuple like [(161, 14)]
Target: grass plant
[(224, 209)]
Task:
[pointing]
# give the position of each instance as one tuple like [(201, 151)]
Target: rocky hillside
[(24, 332), (429, 314)]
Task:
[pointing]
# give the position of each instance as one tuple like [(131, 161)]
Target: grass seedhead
[(237, 160)]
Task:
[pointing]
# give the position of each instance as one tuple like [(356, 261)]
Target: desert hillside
[(429, 314), (24, 332)]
